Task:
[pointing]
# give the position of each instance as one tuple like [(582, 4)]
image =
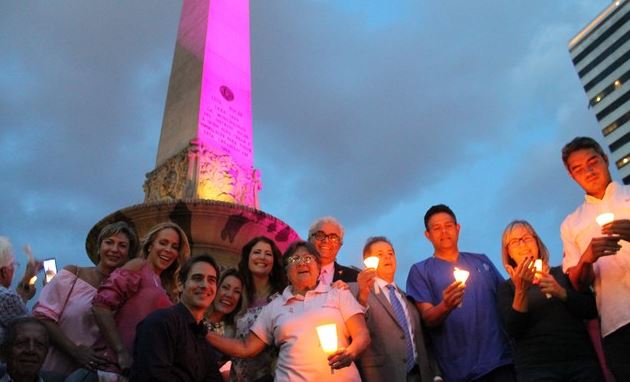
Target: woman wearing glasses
[(543, 314), (264, 279), (289, 322)]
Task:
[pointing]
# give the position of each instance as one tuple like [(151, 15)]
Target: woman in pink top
[(65, 304), (137, 289)]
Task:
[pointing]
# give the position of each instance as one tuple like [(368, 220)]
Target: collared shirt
[(327, 273), (11, 307), (612, 273), (171, 346), (382, 284), (289, 322)]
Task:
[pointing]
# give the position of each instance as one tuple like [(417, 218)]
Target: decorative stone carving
[(168, 181)]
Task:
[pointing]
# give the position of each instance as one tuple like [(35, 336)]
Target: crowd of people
[(149, 311)]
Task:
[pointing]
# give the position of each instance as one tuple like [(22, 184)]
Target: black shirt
[(551, 331), (171, 346)]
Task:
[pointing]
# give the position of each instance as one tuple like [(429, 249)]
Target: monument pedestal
[(218, 228)]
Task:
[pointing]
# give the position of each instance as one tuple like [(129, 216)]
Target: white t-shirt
[(612, 273)]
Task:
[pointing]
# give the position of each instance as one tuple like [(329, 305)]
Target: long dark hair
[(277, 277), (229, 318)]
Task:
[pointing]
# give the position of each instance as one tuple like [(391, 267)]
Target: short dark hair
[(183, 273), (12, 331), (114, 229), (436, 209), (293, 247), (372, 240), (581, 143)]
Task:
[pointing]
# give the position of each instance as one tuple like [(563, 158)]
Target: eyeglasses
[(295, 260), (321, 236), (517, 241)]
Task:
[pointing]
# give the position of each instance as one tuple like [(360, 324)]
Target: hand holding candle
[(372, 262), (328, 339), (461, 276), (538, 265)]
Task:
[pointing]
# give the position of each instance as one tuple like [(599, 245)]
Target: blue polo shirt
[(470, 342)]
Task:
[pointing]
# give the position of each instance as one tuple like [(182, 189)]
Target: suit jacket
[(345, 274), (384, 359)]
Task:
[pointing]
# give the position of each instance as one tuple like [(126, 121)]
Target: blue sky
[(370, 111)]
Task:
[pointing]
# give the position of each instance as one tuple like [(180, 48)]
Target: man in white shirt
[(326, 234), (600, 256), (397, 351)]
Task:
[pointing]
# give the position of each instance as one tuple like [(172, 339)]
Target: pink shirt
[(289, 321), (76, 320), (131, 296)]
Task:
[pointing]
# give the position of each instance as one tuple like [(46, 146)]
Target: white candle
[(538, 266), (372, 262), (328, 337), (605, 218), (461, 275)]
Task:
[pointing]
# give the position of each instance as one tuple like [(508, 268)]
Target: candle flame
[(605, 218), (371, 262), (328, 337), (461, 275)]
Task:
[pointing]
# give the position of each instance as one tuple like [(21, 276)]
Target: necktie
[(322, 276), (402, 320)]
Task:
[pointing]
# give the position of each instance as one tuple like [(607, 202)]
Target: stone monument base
[(220, 229)]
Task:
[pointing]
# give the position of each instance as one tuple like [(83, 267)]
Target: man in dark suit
[(326, 234), (397, 351)]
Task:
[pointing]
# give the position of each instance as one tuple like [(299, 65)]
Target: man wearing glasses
[(599, 256), (326, 234)]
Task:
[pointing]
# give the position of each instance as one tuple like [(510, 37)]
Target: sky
[(369, 111)]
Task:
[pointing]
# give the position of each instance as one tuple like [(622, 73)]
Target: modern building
[(601, 56)]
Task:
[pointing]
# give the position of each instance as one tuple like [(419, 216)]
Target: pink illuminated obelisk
[(207, 127), (204, 179)]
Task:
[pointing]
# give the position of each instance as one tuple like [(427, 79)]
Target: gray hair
[(6, 252), (319, 222)]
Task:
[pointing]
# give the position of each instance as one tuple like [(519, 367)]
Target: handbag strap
[(76, 277)]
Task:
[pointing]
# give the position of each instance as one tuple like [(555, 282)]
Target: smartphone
[(50, 269)]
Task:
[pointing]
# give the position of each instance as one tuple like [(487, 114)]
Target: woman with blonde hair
[(543, 314), (65, 304), (140, 287)]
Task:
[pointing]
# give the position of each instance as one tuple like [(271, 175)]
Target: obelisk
[(204, 179), (207, 126)]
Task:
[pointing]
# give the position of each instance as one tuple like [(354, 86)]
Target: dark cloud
[(367, 111)]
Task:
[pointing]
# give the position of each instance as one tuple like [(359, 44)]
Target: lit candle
[(32, 280), (372, 262), (605, 218), (461, 275), (328, 339), (538, 266)]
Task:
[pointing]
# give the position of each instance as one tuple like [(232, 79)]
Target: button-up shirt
[(612, 273)]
